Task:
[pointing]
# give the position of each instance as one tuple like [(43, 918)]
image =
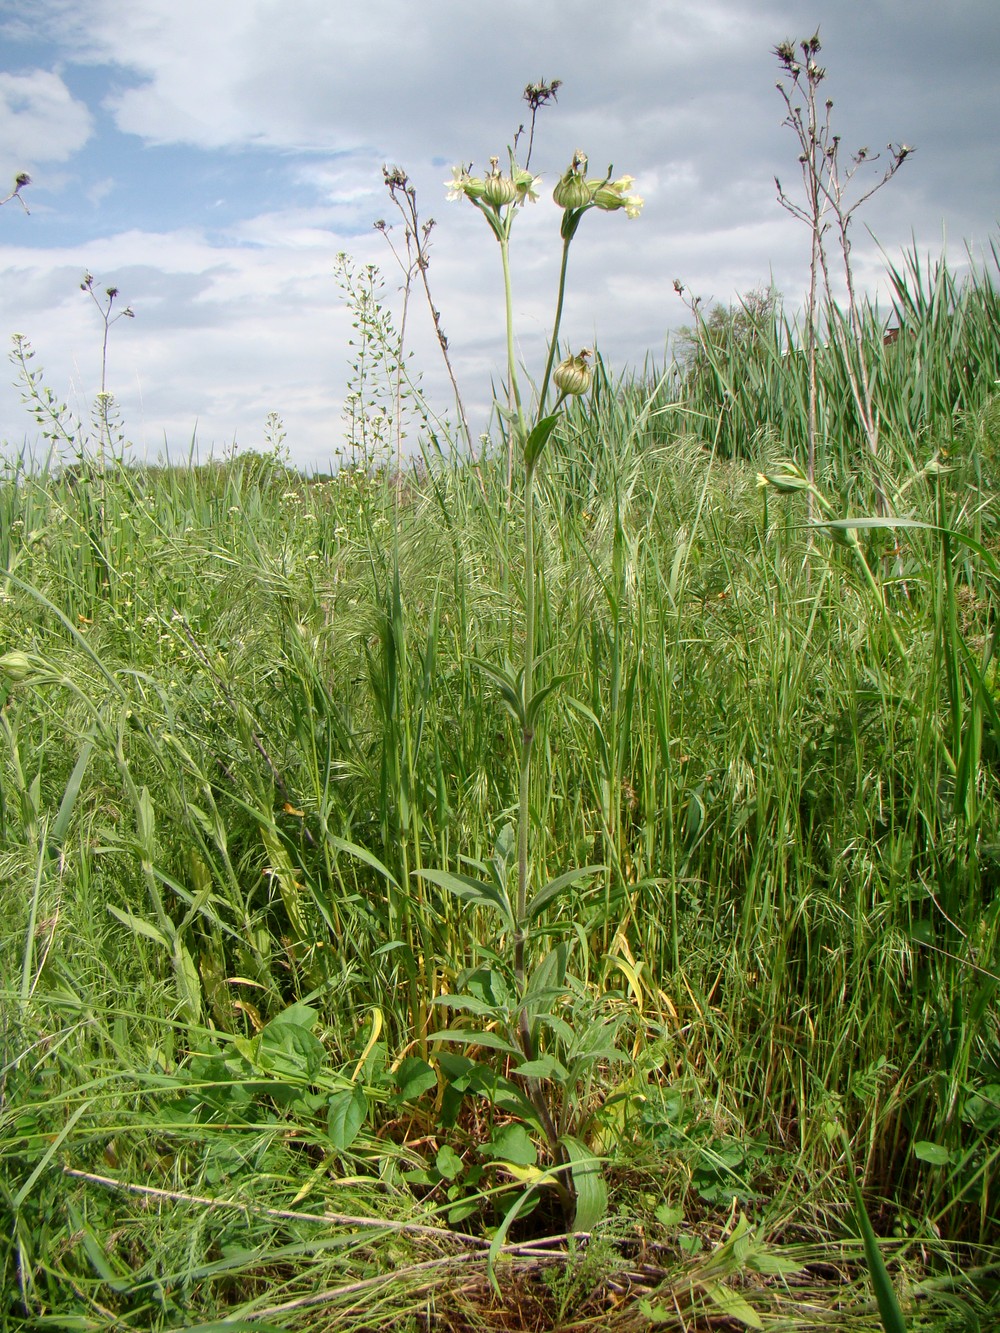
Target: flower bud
[(498, 190), (573, 375), (16, 666), (786, 482)]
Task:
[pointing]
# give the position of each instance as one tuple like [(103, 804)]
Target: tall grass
[(249, 712), (751, 387)]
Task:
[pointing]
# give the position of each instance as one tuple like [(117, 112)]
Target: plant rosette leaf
[(588, 1184), (512, 1145)]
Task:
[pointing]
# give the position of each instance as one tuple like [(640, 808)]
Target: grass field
[(248, 734)]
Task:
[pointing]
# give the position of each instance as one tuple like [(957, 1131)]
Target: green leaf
[(469, 1038), (935, 1153), (61, 825), (296, 1015), (556, 886), (510, 689), (766, 1261), (888, 1305), (188, 980), (470, 890), (346, 1115), (657, 1314), (732, 1304), (456, 1067), (546, 1066), (504, 851), (669, 1216), (362, 854), (448, 1162), (414, 1077), (291, 1052), (139, 926), (588, 1182), (500, 1235), (467, 1004), (539, 697), (512, 1143), (538, 439)]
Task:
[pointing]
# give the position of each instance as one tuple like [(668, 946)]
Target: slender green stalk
[(554, 340), (527, 741)]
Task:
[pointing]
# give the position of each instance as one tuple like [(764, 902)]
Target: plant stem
[(527, 739), (554, 340), (514, 391)]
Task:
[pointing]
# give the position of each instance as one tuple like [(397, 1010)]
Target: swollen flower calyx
[(575, 194), (496, 189), (573, 376)]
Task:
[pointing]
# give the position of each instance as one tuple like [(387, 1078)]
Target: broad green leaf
[(188, 980), (61, 825), (657, 1314), (538, 698), (550, 972), (588, 1182), (513, 1144), (145, 817), (470, 890), (935, 1153), (468, 1004), (470, 1038), (669, 1216), (296, 1016), (346, 1115), (456, 1067), (448, 1162), (538, 439), (414, 1077), (510, 689), (290, 1051), (767, 1261), (556, 886), (546, 1066), (504, 851)]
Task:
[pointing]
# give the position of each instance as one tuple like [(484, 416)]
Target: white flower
[(456, 186)]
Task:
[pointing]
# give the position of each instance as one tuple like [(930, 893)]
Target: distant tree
[(709, 349)]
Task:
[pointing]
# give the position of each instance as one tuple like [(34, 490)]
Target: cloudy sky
[(211, 158)]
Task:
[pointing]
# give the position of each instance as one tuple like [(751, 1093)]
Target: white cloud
[(238, 314), (42, 121)]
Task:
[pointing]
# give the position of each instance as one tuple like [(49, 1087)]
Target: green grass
[(251, 713)]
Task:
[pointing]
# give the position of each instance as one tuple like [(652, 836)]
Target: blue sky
[(211, 158)]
